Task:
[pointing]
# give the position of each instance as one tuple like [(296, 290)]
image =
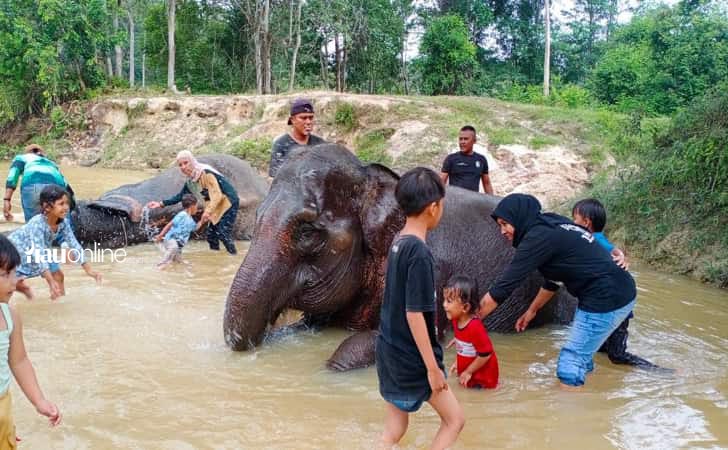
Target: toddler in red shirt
[(476, 364)]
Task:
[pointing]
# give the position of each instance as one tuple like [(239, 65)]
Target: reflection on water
[(140, 363)]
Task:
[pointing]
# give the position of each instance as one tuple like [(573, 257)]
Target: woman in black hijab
[(565, 252)]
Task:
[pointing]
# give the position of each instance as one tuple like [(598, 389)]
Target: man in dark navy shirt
[(301, 120), (467, 168)]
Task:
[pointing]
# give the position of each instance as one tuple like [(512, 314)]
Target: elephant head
[(319, 243)]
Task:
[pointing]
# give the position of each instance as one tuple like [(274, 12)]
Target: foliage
[(662, 60), (677, 181), (49, 51), (372, 146), (255, 151), (448, 57), (345, 116)]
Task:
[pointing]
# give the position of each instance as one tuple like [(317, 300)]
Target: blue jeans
[(588, 333)]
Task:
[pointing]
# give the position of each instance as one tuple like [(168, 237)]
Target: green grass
[(255, 151), (372, 146), (538, 142)]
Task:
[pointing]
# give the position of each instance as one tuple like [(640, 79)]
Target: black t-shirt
[(409, 287), (570, 254), (282, 147), (464, 170)]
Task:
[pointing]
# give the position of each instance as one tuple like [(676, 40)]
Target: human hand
[(154, 205), (464, 378), (158, 238), (454, 368), (524, 320), (205, 217), (50, 410), (95, 275), (7, 206), (437, 380), (55, 289), (621, 260)]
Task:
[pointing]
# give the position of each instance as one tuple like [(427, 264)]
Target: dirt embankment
[(402, 132)]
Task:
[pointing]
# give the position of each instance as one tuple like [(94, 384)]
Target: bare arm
[(164, 231), (542, 297), (443, 177), (619, 258), (418, 327), (7, 205), (24, 373), (487, 186), (473, 367), (487, 305)]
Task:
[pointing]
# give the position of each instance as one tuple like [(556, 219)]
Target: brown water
[(140, 363)]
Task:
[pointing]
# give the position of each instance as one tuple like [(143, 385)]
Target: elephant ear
[(380, 215), (116, 204)]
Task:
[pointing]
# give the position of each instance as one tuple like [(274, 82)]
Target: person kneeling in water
[(33, 241)]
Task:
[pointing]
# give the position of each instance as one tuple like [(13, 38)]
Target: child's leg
[(395, 425), (22, 287), (452, 419)]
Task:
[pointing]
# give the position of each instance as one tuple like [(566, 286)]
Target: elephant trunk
[(257, 296)]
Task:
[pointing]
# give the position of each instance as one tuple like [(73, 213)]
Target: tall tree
[(448, 56), (547, 51), (130, 16), (297, 45), (171, 23)]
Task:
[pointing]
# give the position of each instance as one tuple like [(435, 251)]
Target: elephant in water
[(320, 244), (118, 217)]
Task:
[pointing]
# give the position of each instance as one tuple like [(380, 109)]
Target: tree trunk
[(291, 81), (405, 77), (266, 47), (170, 45), (144, 70), (547, 52), (117, 48), (337, 57), (324, 59), (344, 58), (131, 48), (109, 66)]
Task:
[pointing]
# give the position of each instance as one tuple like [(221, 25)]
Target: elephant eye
[(309, 237)]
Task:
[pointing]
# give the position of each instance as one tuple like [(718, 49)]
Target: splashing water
[(149, 230)]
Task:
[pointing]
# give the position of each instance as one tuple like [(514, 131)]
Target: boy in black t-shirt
[(408, 355)]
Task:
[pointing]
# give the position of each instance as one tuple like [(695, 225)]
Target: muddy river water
[(139, 362)]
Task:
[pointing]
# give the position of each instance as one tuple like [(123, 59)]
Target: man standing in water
[(466, 168), (301, 121)]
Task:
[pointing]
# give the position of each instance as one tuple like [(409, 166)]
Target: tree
[(448, 56), (547, 50), (171, 23)]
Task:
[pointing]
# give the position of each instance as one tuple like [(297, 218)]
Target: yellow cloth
[(219, 203), (7, 426)]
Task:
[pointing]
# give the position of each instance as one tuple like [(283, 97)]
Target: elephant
[(320, 245), (118, 218)]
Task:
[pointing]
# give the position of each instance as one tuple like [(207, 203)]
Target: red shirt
[(471, 342)]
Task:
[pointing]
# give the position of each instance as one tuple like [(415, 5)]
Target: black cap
[(300, 105)]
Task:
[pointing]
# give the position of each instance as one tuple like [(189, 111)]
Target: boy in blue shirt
[(408, 354), (177, 232), (590, 214)]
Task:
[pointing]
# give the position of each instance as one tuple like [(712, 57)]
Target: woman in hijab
[(565, 252), (219, 196)]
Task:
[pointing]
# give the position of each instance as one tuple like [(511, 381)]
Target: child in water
[(408, 354), (476, 364), (13, 358), (590, 214), (177, 232), (34, 239)]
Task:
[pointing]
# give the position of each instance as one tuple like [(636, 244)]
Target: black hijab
[(523, 211)]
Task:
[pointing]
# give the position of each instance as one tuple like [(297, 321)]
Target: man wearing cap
[(301, 121)]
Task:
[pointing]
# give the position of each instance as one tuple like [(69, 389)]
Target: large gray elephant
[(117, 218), (320, 244)]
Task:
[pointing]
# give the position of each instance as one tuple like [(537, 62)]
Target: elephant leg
[(356, 352)]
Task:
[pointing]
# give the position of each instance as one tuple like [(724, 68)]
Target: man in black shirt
[(301, 120), (467, 168)]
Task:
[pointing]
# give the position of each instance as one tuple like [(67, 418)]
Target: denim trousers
[(588, 332)]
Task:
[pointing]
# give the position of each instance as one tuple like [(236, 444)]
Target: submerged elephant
[(118, 219), (320, 244)]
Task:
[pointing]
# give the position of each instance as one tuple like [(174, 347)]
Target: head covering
[(523, 211), (197, 167), (300, 105), (35, 149)]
